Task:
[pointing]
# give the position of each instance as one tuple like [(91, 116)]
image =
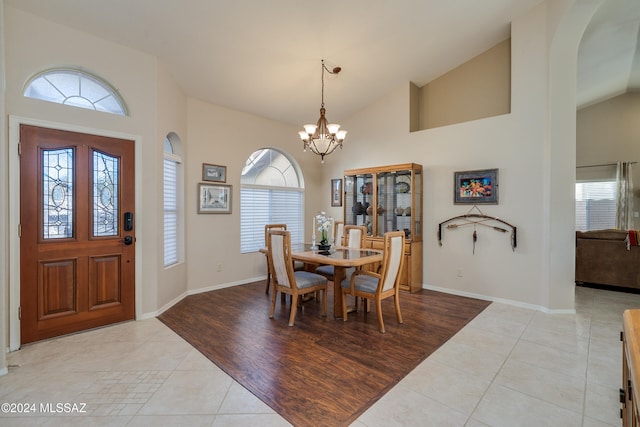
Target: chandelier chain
[(323, 68)]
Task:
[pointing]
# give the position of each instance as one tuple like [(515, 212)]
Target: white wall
[(225, 137), (33, 45), (535, 161), (532, 147), (494, 270), (172, 117)]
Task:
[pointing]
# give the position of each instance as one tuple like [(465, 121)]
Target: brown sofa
[(603, 258)]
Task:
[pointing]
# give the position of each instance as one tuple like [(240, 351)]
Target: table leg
[(338, 277)]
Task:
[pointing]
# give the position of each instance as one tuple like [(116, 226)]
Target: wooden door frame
[(14, 213)]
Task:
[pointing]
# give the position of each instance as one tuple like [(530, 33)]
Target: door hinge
[(19, 313), (19, 231), (19, 149)]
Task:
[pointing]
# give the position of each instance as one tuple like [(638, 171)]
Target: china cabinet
[(389, 198)]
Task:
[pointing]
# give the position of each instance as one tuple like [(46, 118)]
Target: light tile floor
[(509, 367)]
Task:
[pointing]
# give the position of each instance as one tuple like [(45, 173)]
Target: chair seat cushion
[(325, 269), (329, 270), (306, 279), (362, 283)]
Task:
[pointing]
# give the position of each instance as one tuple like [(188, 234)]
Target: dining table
[(340, 257)]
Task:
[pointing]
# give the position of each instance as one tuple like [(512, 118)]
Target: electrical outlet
[(459, 272), (219, 267)]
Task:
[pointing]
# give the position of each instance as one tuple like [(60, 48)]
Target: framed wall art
[(214, 173), (214, 198), (336, 192), (476, 187)]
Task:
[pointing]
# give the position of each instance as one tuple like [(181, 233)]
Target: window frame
[(267, 203), (176, 256), (602, 222), (68, 93)]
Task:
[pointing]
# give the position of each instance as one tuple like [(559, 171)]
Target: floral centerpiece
[(324, 223)]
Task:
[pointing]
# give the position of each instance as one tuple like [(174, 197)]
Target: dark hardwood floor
[(321, 371)]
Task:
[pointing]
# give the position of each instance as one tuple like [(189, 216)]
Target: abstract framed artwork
[(214, 198), (214, 173), (476, 187)]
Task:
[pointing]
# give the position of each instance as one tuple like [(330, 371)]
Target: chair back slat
[(269, 227), (393, 257), (279, 248), (338, 233), (354, 235)]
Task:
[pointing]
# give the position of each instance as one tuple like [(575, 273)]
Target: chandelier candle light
[(323, 137)]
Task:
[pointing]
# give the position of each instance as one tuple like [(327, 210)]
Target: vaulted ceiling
[(263, 56), (609, 53)]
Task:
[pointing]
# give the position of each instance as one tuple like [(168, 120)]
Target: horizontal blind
[(596, 205), (170, 212), (264, 205)]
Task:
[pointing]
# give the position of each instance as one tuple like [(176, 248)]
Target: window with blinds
[(596, 205), (170, 213), (596, 197), (270, 192), (170, 204)]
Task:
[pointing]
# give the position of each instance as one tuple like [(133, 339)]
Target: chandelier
[(323, 137)]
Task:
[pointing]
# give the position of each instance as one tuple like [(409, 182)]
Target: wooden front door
[(77, 263)]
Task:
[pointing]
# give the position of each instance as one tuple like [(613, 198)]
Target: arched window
[(77, 88), (172, 200), (271, 191)]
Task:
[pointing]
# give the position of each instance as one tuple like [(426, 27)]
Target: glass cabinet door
[(387, 198), (359, 201), (417, 202), (394, 202)]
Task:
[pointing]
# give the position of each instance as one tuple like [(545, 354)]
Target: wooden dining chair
[(267, 228), (378, 286), (288, 281)]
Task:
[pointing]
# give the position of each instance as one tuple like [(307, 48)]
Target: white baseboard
[(180, 297), (498, 300)]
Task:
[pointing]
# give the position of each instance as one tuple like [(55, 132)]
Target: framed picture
[(336, 192), (476, 187), (214, 198), (214, 173)]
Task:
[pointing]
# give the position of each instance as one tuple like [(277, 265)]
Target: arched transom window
[(77, 88)]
